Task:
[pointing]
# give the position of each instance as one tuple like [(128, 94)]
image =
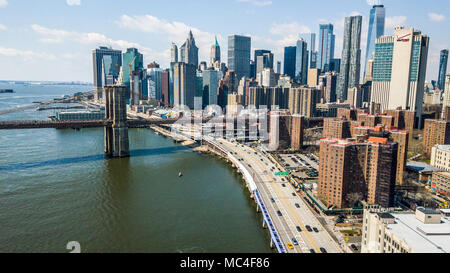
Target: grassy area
[(415, 145)]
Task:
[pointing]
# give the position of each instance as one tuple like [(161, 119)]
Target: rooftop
[(421, 167), (442, 147), (422, 238)]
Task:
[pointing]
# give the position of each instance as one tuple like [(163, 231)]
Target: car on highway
[(308, 228), (293, 194), (284, 186), (290, 246), (299, 229), (355, 248), (315, 230), (312, 251), (273, 200), (323, 250), (294, 241), (297, 205), (279, 213)]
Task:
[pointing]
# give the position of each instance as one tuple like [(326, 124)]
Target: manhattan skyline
[(56, 46)]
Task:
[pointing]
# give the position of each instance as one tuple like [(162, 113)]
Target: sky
[(52, 40)]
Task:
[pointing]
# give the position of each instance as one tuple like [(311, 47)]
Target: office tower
[(289, 61), (215, 53), (211, 79), (228, 85), (135, 86), (203, 66), (265, 60), (330, 89), (354, 97), (313, 77), (107, 63), (233, 100), (189, 51), (442, 68), (184, 84), (399, 70), (155, 85), (239, 55), (326, 47), (268, 96), (260, 52), (303, 100), (132, 61), (301, 62), (310, 39), (355, 170), (278, 67), (376, 30), (369, 71), (198, 96), (446, 101), (351, 57), (165, 88), (252, 69), (173, 53), (435, 132), (335, 65), (267, 78)]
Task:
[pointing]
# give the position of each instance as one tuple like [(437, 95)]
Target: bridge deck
[(75, 124)]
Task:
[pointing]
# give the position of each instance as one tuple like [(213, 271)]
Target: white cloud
[(435, 17), (392, 22), (26, 54), (3, 3), (3, 27), (373, 2), (173, 31), (259, 3), (95, 39), (286, 29), (73, 2)]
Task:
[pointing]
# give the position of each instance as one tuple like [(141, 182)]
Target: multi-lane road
[(290, 214)]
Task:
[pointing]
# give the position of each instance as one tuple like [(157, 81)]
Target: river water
[(56, 186)]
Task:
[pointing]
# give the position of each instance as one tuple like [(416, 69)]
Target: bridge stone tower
[(116, 136)]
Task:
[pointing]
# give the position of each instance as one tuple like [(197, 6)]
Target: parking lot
[(302, 166)]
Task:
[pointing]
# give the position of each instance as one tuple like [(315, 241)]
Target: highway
[(295, 212)]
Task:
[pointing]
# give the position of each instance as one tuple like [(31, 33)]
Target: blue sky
[(53, 39)]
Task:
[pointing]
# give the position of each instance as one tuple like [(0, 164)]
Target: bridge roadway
[(77, 124), (270, 186)]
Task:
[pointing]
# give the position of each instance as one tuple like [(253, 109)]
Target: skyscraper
[(184, 84), (301, 62), (289, 61), (326, 47), (189, 51), (173, 53), (310, 39), (215, 53), (376, 30), (442, 68), (351, 57), (134, 60), (239, 55), (211, 79), (106, 63), (399, 70), (264, 59)]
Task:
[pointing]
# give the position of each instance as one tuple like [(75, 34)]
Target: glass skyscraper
[(239, 55), (136, 59), (351, 57), (289, 61), (442, 68), (107, 63), (310, 39), (301, 62), (376, 30), (326, 47)]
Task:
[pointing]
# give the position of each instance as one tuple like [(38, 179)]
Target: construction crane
[(132, 62)]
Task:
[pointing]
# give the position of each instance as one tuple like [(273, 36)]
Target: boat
[(6, 91), (180, 174)]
